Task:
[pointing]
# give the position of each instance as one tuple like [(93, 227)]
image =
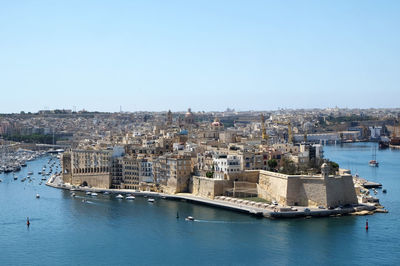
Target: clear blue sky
[(208, 55)]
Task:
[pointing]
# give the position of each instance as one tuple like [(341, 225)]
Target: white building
[(375, 132), (226, 164)]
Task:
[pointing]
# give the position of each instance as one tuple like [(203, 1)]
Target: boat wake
[(221, 222)]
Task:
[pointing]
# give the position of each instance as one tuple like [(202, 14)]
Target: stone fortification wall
[(246, 176), (207, 187), (340, 191), (306, 191), (272, 186), (291, 190), (298, 190), (244, 189), (98, 180)]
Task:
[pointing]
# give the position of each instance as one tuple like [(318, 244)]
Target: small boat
[(150, 200), (384, 190), (73, 195), (30, 173), (373, 163), (37, 196), (1, 180), (94, 194), (130, 198), (88, 193), (189, 218), (119, 196), (15, 177), (106, 193)]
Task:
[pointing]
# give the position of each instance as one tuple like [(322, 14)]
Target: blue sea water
[(106, 231)]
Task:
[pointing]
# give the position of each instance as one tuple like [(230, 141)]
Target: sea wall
[(340, 191), (209, 188), (98, 180), (272, 186), (306, 191), (301, 190)]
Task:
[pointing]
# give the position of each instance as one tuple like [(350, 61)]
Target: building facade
[(87, 168)]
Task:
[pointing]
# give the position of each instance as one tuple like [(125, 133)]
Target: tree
[(288, 167), (272, 164), (333, 167)]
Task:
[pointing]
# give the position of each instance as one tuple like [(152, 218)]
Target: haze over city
[(208, 55)]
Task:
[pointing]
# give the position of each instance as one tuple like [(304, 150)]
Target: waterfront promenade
[(234, 204)]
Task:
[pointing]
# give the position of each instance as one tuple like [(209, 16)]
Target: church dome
[(189, 117), (189, 113), (216, 122)]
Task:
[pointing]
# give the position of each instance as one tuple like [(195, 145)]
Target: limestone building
[(87, 168), (173, 172)]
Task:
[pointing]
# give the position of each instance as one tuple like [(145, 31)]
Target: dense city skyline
[(157, 56)]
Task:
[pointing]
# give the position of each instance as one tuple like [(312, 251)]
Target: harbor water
[(103, 230)]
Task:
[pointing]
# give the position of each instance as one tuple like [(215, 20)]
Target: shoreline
[(247, 207)]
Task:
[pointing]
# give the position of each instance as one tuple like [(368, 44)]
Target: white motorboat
[(189, 218), (94, 194), (88, 193), (130, 198), (73, 195), (119, 196), (150, 200), (37, 196)]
